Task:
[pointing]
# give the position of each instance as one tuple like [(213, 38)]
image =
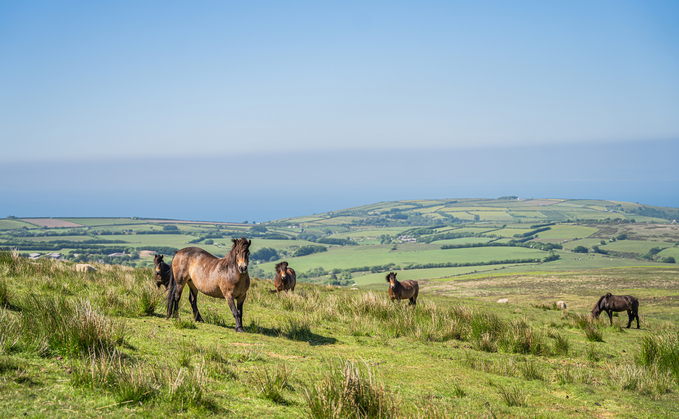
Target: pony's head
[(391, 279), (599, 306), (158, 263), (241, 253), (282, 268)]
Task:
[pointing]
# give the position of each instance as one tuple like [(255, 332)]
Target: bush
[(580, 249)]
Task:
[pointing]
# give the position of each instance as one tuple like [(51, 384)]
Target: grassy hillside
[(97, 344)]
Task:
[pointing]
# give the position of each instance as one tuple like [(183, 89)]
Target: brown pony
[(219, 278), (163, 272), (285, 278), (610, 303), (402, 290)]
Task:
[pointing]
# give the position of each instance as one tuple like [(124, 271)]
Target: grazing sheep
[(561, 305), (503, 301), (84, 267)]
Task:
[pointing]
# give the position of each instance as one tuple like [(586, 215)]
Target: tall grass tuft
[(561, 345), (649, 381), (346, 391), (660, 351), (5, 293), (56, 324), (519, 337), (593, 334), (147, 299), (272, 384), (513, 396), (297, 330)]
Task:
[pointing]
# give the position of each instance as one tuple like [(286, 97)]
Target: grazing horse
[(219, 278), (285, 278), (402, 290), (163, 271), (610, 303)]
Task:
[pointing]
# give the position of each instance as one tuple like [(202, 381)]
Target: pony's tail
[(171, 288)]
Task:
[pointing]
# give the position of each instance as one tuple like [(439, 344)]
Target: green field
[(373, 232)]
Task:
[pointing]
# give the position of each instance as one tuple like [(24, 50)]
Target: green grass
[(327, 351)]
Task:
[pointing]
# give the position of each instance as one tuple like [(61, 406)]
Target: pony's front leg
[(610, 316), (240, 312), (236, 315), (193, 299)]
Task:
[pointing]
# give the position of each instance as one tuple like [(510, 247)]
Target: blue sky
[(103, 104)]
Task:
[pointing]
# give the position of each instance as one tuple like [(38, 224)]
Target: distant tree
[(170, 227), (602, 242), (669, 259), (258, 229), (209, 241), (580, 249), (307, 250), (264, 254), (622, 236)]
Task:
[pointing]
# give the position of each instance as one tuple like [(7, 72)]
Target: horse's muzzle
[(242, 268)]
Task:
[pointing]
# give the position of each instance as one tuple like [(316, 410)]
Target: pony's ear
[(249, 243), (608, 294), (394, 275), (234, 240)]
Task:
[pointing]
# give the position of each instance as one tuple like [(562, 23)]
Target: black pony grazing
[(610, 303), (163, 272)]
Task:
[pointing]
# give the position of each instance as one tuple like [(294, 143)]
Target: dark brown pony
[(402, 290), (285, 278), (163, 272), (219, 278), (610, 303)]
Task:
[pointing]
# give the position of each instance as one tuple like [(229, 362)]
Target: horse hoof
[(240, 330)]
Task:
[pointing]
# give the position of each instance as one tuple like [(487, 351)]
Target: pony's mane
[(238, 244), (389, 274), (278, 266)]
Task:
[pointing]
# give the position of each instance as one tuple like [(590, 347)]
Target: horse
[(225, 277), (610, 303), (163, 272), (402, 290), (285, 278)]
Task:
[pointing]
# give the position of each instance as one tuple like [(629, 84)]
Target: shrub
[(580, 249)]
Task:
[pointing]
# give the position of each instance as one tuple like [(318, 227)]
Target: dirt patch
[(51, 222), (146, 253)]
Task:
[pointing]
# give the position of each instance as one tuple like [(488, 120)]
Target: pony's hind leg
[(193, 299), (174, 294), (630, 317)]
